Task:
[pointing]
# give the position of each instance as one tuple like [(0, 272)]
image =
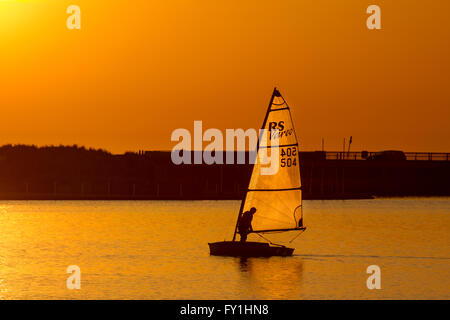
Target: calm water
[(158, 250)]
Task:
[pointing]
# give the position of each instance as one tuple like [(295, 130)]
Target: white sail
[(276, 197)]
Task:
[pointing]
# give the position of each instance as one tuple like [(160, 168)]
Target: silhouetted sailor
[(245, 223)]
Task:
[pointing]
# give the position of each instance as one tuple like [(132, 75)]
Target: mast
[(275, 93)]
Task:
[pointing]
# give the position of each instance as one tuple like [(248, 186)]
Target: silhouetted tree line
[(50, 162), (78, 171), (74, 172)]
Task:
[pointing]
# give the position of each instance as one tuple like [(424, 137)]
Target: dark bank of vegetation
[(73, 172), (50, 162)]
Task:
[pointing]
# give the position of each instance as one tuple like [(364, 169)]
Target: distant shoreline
[(77, 173), (39, 197)]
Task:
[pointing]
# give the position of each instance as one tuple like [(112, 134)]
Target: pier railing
[(358, 155)]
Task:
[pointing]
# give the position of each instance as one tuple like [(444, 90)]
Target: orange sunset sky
[(139, 69)]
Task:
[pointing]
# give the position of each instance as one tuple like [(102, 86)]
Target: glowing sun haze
[(137, 70)]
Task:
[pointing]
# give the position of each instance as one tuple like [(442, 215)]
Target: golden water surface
[(158, 250)]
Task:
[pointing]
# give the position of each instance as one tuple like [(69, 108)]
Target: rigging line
[(297, 235), (264, 238)]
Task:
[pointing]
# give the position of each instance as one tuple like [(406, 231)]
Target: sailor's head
[(252, 210)]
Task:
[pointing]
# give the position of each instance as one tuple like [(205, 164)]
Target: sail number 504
[(288, 157)]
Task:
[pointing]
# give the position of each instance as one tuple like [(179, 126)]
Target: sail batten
[(286, 189), (276, 197), (280, 109), (280, 146)]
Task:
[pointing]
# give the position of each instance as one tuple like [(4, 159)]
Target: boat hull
[(248, 249)]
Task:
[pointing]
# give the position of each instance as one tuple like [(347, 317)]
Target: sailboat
[(277, 197)]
